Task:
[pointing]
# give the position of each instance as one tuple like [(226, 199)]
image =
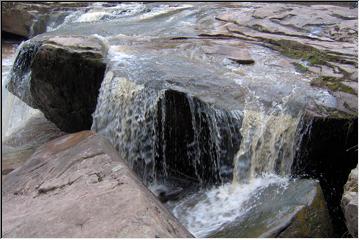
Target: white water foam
[(207, 211), (102, 13)]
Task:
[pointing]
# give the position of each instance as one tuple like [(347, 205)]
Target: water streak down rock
[(195, 139), (164, 133)]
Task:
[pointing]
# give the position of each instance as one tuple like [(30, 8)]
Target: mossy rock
[(333, 84), (298, 50), (300, 67)]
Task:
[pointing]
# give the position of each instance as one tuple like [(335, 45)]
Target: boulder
[(29, 19), (60, 76), (349, 203), (18, 19), (77, 186), (297, 210)]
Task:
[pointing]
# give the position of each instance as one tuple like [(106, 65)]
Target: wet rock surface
[(349, 202), (322, 37), (19, 146), (195, 95), (296, 210), (30, 19), (77, 185)]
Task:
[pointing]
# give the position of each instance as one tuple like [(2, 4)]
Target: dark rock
[(77, 186), (61, 77), (165, 193), (325, 151), (187, 138), (238, 54), (297, 210)]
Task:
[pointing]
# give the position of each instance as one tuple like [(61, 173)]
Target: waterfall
[(161, 132), (264, 157), (14, 111), (125, 115), (267, 145), (21, 71)]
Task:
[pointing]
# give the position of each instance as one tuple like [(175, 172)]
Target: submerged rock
[(349, 202), (295, 210), (77, 186)]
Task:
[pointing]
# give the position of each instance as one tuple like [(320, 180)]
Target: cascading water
[(14, 111), (209, 210), (269, 134), (184, 119), (264, 159), (162, 132), (129, 125), (176, 140)]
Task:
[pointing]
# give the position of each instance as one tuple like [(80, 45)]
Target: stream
[(208, 132)]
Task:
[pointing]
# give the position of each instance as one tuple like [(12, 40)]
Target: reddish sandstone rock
[(77, 186)]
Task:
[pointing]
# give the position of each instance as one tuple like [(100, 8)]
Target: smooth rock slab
[(76, 186), (23, 142), (298, 210)]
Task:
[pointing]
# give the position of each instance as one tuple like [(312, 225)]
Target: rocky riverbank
[(193, 97)]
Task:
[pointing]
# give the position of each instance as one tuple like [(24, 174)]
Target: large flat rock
[(322, 37), (77, 186), (22, 143)]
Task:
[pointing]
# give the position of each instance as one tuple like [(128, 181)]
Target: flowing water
[(14, 111), (209, 210), (175, 112)]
